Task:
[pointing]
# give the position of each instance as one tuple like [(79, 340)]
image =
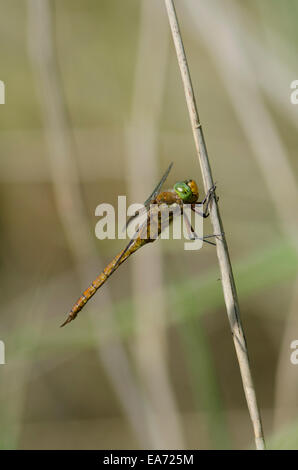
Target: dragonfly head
[(187, 190)]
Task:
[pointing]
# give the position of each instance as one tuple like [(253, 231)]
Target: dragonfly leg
[(197, 211), (216, 235), (190, 231), (192, 234), (206, 200), (209, 193)]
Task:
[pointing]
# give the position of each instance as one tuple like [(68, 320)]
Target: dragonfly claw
[(211, 191)]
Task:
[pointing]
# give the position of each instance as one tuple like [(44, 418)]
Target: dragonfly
[(183, 192)]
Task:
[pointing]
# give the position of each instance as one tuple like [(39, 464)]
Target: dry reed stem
[(243, 86), (227, 278)]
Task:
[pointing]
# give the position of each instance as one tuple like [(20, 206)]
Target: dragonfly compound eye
[(183, 191)]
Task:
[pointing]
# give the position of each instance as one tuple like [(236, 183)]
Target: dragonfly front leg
[(207, 199), (192, 234)]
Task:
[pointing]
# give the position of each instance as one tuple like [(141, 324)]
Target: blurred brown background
[(95, 109)]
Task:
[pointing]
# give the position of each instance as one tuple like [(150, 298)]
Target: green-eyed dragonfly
[(183, 192)]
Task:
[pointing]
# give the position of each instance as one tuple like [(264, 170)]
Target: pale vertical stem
[(269, 151), (70, 206), (147, 268), (227, 278)]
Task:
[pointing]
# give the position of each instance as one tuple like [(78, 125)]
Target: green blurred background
[(95, 109)]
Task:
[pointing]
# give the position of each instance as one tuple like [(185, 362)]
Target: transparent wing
[(132, 217), (152, 196), (157, 189)]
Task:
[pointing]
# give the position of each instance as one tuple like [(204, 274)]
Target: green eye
[(183, 191)]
